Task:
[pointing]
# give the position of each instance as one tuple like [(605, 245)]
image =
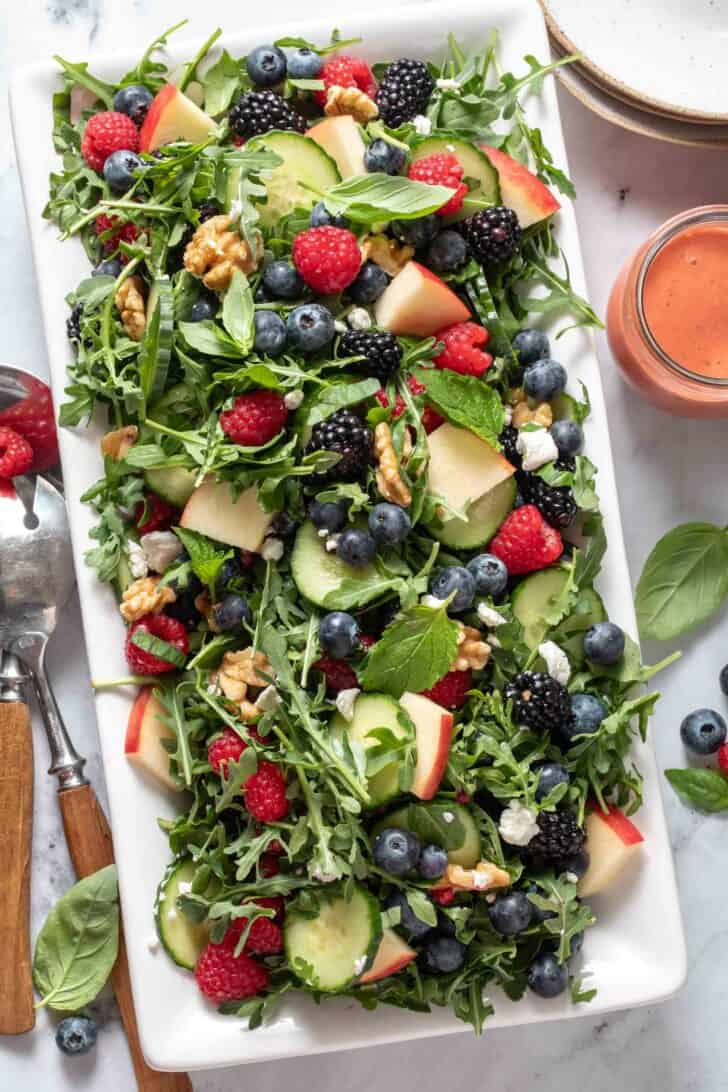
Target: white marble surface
[(668, 470)]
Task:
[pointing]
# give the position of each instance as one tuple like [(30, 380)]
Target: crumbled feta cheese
[(160, 548), (489, 616), (447, 85), (572, 877), (322, 877), (493, 641), (322, 532), (268, 699), (557, 662), (138, 564), (293, 400), (359, 965), (537, 447), (480, 879), (345, 702), (171, 915), (272, 549), (431, 601), (153, 943), (449, 147), (359, 318), (331, 543), (184, 887), (236, 209), (448, 817), (340, 326), (422, 124), (507, 415), (517, 824), (213, 687)]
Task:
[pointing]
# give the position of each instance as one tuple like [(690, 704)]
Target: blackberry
[(208, 209), (258, 112), (343, 432), (493, 235), (73, 324), (555, 502), (382, 351), (509, 439), (404, 91), (539, 701), (560, 838)]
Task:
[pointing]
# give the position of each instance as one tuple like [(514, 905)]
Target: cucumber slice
[(319, 574), (533, 598), (161, 299), (332, 950), (475, 166), (304, 164), (174, 484), (444, 824), (181, 940), (374, 711), (484, 518)]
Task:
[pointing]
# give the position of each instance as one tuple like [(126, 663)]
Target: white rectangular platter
[(636, 954)]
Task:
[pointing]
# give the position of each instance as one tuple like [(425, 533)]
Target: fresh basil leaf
[(372, 197), (421, 906), (414, 652), (326, 400), (238, 311), (208, 338), (220, 84), (465, 401), (158, 647), (78, 944), (704, 789), (684, 581)]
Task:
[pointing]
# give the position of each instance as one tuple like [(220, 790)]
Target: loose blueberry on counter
[(588, 713), (371, 280), (134, 101), (578, 863), (544, 380), (389, 524), (320, 217), (396, 851), (414, 927), (546, 976), (230, 613), (604, 644), (531, 345), (304, 64), (329, 516), (381, 156), (443, 955), (489, 573), (356, 548), (432, 862), (108, 267), (416, 233), (457, 579), (266, 65), (511, 913), (76, 1035), (703, 731), (338, 634), (310, 327), (538, 916), (568, 437), (550, 775), (119, 170), (723, 679), (271, 333), (282, 281), (447, 252), (203, 309)]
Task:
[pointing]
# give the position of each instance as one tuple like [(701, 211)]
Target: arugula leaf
[(369, 198), (220, 84), (465, 401), (704, 789), (206, 558), (238, 311), (580, 481), (569, 915), (414, 651), (79, 73), (684, 580)]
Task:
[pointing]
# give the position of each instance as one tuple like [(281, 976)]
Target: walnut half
[(390, 482), (352, 101), (215, 251), (130, 305), (145, 596)]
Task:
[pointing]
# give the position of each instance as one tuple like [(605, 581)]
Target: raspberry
[(268, 865), (451, 691), (255, 418), (223, 976), (346, 71), (443, 895), (328, 258), (442, 169), (158, 625), (153, 514), (462, 352), (264, 938), (525, 542), (462, 797), (431, 419), (16, 454), (106, 133), (122, 233), (273, 902), (33, 418), (228, 748), (276, 848), (338, 673), (265, 793), (723, 758)]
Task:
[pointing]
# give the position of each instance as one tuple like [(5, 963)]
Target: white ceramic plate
[(637, 954)]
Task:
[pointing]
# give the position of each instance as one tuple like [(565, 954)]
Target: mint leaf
[(220, 84), (369, 198), (704, 789), (413, 652), (238, 311), (206, 558), (684, 581), (327, 400), (464, 401)]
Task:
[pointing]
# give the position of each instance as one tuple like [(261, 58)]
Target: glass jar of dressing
[(667, 319)]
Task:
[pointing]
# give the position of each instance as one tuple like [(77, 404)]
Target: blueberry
[(489, 573), (266, 65), (184, 608), (396, 851), (329, 516), (76, 1035), (511, 914), (321, 218), (546, 976), (119, 170), (371, 280), (538, 916), (604, 643), (416, 233), (389, 524), (723, 679), (383, 157), (703, 731), (230, 570), (443, 955), (550, 775), (271, 333), (356, 548), (457, 579), (310, 327), (447, 252), (568, 437), (578, 863), (544, 380), (588, 713), (432, 862), (282, 281), (531, 345), (304, 64), (134, 101), (283, 526), (230, 613), (109, 267), (338, 634), (203, 309), (414, 927)]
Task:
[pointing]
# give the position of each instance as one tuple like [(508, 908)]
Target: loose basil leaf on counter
[(369, 198), (465, 401), (78, 944), (704, 789), (684, 581), (413, 652)]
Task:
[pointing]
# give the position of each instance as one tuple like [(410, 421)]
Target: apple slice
[(173, 116), (463, 467), (342, 139), (433, 732), (521, 190), (212, 511), (612, 840), (418, 303), (145, 731), (392, 955)]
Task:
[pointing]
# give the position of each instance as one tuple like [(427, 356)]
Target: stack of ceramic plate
[(656, 67)]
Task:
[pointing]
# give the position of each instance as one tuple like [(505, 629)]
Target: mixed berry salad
[(349, 522)]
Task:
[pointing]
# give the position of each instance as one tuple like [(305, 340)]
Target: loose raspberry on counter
[(228, 748), (33, 418), (339, 674), (451, 691), (265, 793), (223, 976), (328, 258), (16, 454), (106, 133), (264, 938), (255, 418), (346, 71), (526, 542), (463, 343), (158, 625), (441, 169), (154, 514), (122, 233)]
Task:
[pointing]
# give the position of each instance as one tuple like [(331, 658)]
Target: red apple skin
[(136, 717), (514, 177), (372, 976), (393, 954), (623, 827), (159, 104), (426, 787), (410, 316)]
